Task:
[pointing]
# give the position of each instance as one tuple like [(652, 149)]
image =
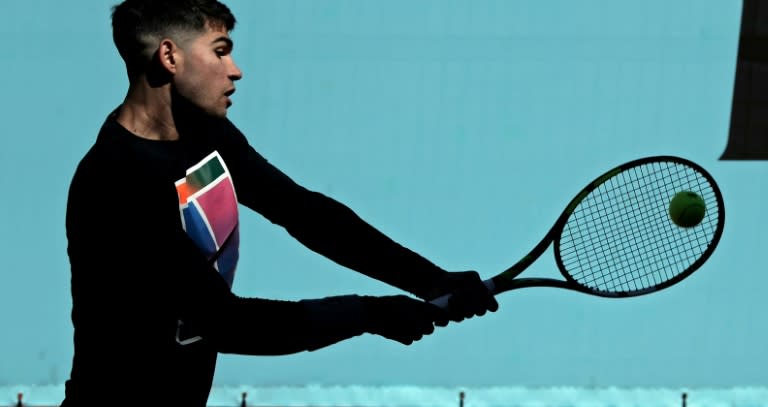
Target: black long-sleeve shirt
[(138, 273)]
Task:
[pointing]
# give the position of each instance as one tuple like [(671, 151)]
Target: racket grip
[(442, 301)]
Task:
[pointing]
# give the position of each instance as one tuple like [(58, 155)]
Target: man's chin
[(215, 113), (193, 112), (213, 116), (204, 116)]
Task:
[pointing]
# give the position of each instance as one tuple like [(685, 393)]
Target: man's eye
[(221, 52)]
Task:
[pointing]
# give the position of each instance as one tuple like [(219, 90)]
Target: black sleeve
[(325, 225), (133, 262)]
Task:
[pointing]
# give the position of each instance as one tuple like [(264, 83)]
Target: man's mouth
[(228, 94)]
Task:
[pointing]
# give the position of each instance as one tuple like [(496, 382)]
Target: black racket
[(616, 239)]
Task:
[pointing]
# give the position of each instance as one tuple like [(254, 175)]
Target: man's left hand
[(469, 296)]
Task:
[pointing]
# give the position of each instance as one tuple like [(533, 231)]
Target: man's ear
[(168, 55), (163, 64)]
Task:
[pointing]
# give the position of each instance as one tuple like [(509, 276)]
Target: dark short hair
[(136, 21)]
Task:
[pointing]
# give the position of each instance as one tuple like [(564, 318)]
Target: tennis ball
[(687, 209)]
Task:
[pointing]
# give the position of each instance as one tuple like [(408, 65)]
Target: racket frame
[(507, 280)]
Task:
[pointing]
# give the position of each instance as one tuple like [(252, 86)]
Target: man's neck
[(146, 112)]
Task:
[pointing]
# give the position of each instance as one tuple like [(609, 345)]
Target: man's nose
[(235, 73)]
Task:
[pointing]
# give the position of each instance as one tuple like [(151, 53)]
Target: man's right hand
[(401, 318)]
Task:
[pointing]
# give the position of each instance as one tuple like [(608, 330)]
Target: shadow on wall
[(748, 134)]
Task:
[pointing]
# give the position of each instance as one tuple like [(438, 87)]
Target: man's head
[(184, 43)]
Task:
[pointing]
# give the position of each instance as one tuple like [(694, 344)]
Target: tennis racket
[(616, 239)]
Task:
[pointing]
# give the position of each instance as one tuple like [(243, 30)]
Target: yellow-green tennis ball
[(687, 209)]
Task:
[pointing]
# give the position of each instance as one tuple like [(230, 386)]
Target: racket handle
[(442, 302)]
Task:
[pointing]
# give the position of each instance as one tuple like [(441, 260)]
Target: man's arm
[(132, 260), (327, 226), (333, 230)]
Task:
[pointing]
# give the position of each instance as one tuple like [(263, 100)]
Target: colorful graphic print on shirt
[(209, 214)]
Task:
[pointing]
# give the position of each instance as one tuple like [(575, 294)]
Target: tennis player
[(154, 239)]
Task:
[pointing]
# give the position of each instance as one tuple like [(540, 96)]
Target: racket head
[(616, 239)]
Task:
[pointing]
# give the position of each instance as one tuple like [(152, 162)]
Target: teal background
[(459, 128)]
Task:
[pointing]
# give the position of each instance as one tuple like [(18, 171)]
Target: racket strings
[(636, 281), (633, 279), (620, 238), (639, 228)]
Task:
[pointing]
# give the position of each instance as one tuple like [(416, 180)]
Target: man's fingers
[(493, 305), (468, 303), (406, 320)]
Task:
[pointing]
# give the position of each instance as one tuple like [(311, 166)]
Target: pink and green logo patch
[(209, 214)]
